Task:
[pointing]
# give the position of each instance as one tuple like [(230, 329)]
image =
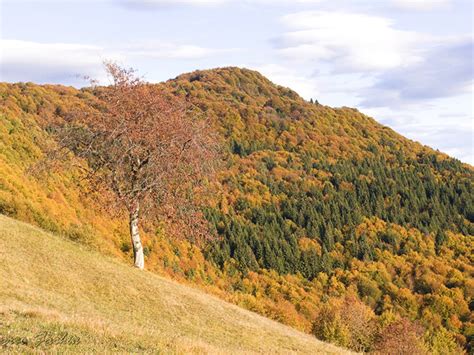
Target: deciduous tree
[(143, 146)]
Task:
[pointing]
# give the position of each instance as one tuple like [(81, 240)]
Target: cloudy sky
[(407, 63)]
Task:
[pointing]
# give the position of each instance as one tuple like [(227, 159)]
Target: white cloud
[(420, 4), (446, 70), (66, 63), (397, 66), (49, 62), (348, 41)]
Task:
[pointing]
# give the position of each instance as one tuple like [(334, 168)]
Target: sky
[(407, 63)]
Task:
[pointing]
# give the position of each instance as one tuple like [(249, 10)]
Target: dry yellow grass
[(58, 296)]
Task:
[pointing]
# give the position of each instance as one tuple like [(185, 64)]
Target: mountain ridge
[(229, 75)]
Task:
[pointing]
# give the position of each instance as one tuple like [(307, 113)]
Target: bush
[(346, 322), (401, 337), (80, 233), (8, 208)]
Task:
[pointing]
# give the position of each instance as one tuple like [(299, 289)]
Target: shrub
[(347, 322), (401, 337)]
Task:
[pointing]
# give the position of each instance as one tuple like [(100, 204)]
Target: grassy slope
[(57, 295)]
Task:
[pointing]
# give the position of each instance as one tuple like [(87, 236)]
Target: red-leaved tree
[(143, 147)]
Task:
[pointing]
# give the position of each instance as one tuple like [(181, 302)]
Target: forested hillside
[(325, 219)]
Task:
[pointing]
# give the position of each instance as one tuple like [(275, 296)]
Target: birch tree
[(145, 149)]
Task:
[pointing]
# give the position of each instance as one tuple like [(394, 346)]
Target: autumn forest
[(320, 218)]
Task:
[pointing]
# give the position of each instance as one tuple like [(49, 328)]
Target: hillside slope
[(318, 209), (57, 295)]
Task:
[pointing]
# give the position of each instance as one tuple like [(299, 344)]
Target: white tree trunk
[(138, 257)]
